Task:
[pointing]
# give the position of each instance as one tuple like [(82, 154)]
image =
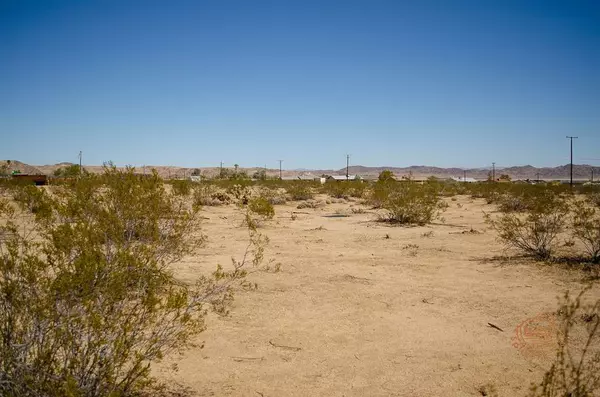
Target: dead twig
[(495, 327), (292, 348)]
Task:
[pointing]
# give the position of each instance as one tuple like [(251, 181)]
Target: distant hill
[(15, 165), (580, 171)]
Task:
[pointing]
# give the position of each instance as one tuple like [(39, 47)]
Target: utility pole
[(571, 138), (465, 176), (80, 155), (494, 172), (347, 166), (280, 161), (592, 174), (538, 176)]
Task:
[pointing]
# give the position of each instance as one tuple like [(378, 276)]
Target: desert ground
[(362, 308)]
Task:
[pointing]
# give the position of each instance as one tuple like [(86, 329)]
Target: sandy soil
[(364, 309)]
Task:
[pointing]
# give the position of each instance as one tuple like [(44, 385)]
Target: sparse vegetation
[(70, 171), (410, 203), (586, 228), (87, 298), (536, 232), (300, 190)]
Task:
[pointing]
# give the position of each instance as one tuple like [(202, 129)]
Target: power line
[(280, 161), (571, 138), (347, 166)]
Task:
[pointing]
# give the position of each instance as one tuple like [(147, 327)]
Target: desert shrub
[(273, 195), (575, 370), (182, 187), (310, 204), (521, 198), (209, 195), (381, 190), (90, 303), (586, 228), (31, 199), (69, 171), (594, 199), (510, 203), (262, 207), (535, 232), (300, 190), (410, 203), (337, 189)]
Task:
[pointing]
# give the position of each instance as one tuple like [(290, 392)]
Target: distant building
[(304, 177), (461, 179), (343, 178), (38, 180)]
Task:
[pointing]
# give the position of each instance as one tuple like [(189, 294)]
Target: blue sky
[(193, 83)]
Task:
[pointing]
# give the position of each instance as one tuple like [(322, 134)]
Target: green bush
[(182, 187), (300, 190), (410, 203), (90, 302), (261, 206), (70, 171)]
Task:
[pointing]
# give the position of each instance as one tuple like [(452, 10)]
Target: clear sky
[(193, 83)]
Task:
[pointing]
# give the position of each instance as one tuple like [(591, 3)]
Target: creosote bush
[(536, 231), (409, 203), (182, 187), (586, 228), (260, 209), (88, 300), (300, 190)]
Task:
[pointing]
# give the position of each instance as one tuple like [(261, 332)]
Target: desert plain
[(363, 308)]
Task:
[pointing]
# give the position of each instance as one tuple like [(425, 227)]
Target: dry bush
[(88, 301), (586, 228), (311, 204), (535, 232), (575, 371), (210, 195), (594, 199), (273, 195)]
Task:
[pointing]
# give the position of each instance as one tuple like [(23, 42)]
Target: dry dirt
[(361, 308)]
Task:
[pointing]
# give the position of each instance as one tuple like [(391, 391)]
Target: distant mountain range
[(580, 171)]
